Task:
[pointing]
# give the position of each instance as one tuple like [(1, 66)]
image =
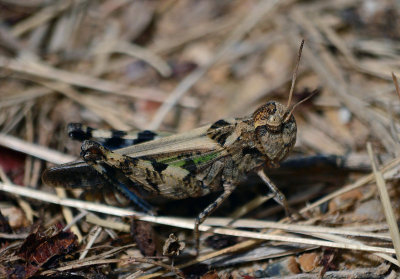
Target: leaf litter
[(173, 66)]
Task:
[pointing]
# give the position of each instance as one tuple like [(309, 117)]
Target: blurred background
[(175, 65)]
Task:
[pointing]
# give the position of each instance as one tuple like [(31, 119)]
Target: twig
[(202, 258), (359, 273), (23, 96), (93, 237), (163, 46), (67, 213), (146, 55), (249, 206), (118, 226), (124, 261), (213, 27), (108, 115), (78, 217), (324, 64), (387, 207), (251, 224), (40, 17), (177, 223), (26, 207), (338, 238), (396, 84), (40, 69), (35, 150), (359, 183), (14, 236)]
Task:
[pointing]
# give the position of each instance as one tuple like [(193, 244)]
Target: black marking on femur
[(190, 165), (128, 164), (220, 123), (251, 150), (133, 161), (153, 185), (187, 179), (148, 172), (221, 137), (116, 140), (144, 136), (114, 143), (158, 167), (118, 134), (76, 132)]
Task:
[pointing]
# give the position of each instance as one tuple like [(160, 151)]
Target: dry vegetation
[(175, 65)]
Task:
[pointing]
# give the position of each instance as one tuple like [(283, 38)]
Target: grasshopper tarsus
[(278, 196), (228, 189)]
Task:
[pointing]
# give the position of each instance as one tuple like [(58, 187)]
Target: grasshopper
[(211, 158)]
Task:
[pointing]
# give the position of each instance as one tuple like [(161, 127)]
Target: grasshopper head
[(275, 126), (275, 130)]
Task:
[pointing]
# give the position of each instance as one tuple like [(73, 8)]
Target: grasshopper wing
[(176, 167)]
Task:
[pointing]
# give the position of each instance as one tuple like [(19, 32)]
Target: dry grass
[(175, 65)]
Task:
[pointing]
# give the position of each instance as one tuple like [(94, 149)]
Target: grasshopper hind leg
[(93, 155), (228, 189), (111, 139)]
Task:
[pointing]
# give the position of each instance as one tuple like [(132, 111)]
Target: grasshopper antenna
[(295, 74), (316, 91), (289, 113), (291, 108)]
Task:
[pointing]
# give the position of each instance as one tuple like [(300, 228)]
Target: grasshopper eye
[(270, 116)]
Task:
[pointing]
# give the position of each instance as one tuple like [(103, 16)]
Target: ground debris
[(145, 237), (174, 66), (39, 248)]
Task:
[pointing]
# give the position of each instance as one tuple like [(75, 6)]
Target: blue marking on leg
[(145, 206)]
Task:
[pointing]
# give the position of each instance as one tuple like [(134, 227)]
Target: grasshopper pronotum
[(215, 157)]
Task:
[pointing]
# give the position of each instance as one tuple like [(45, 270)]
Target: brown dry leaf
[(308, 261), (145, 237), (40, 247)]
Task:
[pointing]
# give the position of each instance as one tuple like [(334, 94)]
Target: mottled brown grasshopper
[(212, 158)]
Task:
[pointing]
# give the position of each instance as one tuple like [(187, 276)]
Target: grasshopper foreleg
[(278, 196), (228, 189)]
